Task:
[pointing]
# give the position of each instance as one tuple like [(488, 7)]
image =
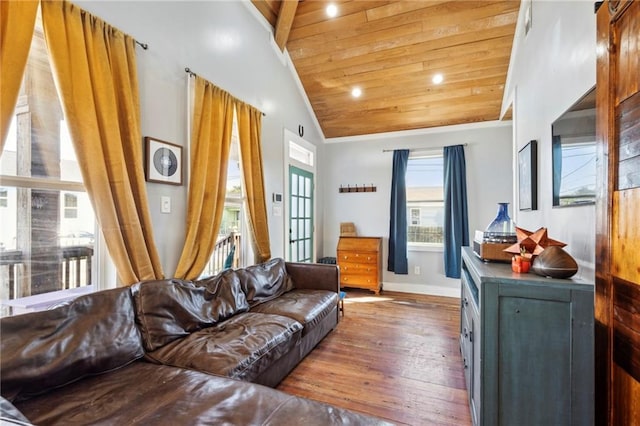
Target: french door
[(300, 215)]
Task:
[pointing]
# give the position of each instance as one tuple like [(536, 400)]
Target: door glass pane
[(307, 206), (294, 184), (307, 228), (307, 187), (294, 207)]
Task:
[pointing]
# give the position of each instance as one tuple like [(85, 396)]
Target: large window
[(229, 250), (47, 237), (425, 201)]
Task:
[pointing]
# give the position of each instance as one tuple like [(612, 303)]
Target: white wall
[(488, 156), (551, 68), (225, 43)]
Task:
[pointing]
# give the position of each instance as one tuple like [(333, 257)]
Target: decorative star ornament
[(533, 243)]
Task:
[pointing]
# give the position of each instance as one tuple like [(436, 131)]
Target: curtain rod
[(193, 74), (145, 46), (425, 149)]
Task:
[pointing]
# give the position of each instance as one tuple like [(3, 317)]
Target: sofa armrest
[(314, 276)]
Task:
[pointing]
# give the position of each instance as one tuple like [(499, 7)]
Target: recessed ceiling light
[(437, 79), (332, 10), (356, 92)]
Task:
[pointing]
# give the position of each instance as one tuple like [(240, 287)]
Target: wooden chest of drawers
[(360, 262)]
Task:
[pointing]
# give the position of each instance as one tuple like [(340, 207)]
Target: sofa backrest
[(43, 350), (170, 309)]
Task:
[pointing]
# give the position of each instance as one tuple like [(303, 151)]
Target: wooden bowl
[(554, 262)]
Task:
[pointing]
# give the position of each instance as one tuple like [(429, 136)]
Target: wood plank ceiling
[(391, 50)]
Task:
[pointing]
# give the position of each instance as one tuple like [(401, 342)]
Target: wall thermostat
[(277, 197)]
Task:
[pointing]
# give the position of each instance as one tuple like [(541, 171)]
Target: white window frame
[(103, 272), (425, 247)]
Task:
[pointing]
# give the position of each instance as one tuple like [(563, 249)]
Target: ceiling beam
[(285, 20)]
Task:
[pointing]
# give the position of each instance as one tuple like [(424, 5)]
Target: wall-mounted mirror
[(574, 154)]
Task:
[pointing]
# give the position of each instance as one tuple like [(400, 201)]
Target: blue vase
[(502, 229)]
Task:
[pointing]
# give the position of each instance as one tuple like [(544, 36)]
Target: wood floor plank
[(395, 356)]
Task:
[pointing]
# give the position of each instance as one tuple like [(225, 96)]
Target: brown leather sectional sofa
[(174, 352)]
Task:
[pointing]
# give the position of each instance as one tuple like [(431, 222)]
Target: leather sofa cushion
[(308, 307), (172, 309), (10, 415), (148, 394), (264, 281), (43, 350), (241, 347)]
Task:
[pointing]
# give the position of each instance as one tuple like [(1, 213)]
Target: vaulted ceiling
[(391, 50)]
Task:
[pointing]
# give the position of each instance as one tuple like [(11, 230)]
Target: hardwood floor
[(395, 356)]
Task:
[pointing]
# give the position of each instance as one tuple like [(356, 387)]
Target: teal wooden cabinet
[(527, 346)]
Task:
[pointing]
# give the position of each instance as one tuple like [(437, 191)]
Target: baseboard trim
[(432, 290)]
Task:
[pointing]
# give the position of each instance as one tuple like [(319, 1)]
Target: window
[(299, 153), (47, 237), (70, 206), (425, 201), (228, 251), (414, 214)]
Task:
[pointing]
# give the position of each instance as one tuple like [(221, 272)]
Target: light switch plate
[(165, 204)]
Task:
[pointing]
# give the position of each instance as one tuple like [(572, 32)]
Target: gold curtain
[(17, 21), (95, 68), (249, 127), (210, 144)]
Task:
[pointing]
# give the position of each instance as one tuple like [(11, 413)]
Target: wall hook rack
[(358, 188)]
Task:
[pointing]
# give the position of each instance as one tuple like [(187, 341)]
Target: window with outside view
[(425, 200), (228, 251), (47, 237)]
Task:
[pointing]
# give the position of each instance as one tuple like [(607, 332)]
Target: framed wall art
[(163, 162), (528, 176)]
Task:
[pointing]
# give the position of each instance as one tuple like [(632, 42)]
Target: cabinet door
[(476, 364), (534, 358), (465, 345)]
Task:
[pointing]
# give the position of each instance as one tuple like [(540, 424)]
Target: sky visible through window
[(426, 171)]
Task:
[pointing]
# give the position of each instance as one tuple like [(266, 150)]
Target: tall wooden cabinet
[(360, 262), (527, 346)]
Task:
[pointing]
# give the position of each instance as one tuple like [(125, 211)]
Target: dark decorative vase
[(554, 262), (502, 229)]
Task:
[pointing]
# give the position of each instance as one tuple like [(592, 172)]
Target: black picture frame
[(528, 176), (163, 161)]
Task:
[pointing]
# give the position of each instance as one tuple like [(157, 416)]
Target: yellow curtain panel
[(210, 144), (249, 129), (96, 70), (17, 21)]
